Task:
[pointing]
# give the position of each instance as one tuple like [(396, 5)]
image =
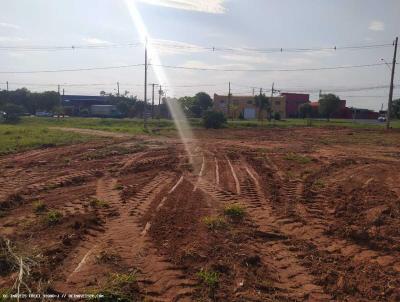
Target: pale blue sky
[(219, 23)]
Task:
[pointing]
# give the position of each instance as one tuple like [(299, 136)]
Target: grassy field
[(35, 132), (22, 137)]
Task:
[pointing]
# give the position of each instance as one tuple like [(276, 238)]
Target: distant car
[(381, 119), (44, 114)]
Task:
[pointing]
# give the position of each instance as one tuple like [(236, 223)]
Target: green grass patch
[(298, 158), (98, 203), (208, 278), (25, 136), (319, 184), (39, 206), (214, 222), (53, 217), (235, 211)]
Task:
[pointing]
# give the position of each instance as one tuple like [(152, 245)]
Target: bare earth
[(322, 216)]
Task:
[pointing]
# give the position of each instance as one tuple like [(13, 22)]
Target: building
[(349, 112), (244, 106), (293, 102), (87, 105)]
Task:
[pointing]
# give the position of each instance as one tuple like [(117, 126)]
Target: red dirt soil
[(133, 220)]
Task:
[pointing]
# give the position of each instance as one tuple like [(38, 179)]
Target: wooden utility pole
[(59, 96), (229, 99), (145, 87), (7, 85), (159, 102), (152, 102), (391, 85), (117, 88)]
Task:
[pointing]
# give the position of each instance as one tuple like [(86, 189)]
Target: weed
[(53, 217), (214, 223), (319, 184), (97, 203), (298, 158), (118, 187), (107, 257), (121, 280), (39, 206), (235, 211), (209, 278)]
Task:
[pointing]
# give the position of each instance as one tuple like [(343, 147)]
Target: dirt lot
[(262, 215)]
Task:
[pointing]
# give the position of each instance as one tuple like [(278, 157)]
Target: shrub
[(214, 223), (209, 278), (53, 217), (298, 158), (277, 116), (213, 119), (97, 203), (39, 206), (234, 211)]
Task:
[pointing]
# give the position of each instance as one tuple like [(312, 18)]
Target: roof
[(67, 98)]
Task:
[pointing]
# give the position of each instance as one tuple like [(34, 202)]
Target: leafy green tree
[(305, 110), (395, 112), (204, 101), (263, 104), (213, 119), (13, 112), (328, 105)]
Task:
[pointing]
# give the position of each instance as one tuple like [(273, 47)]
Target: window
[(277, 103), (249, 102), (222, 102)]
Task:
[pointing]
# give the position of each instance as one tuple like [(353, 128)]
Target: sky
[(232, 37)]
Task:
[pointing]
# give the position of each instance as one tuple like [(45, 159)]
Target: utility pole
[(391, 85), (159, 103), (59, 96), (253, 91), (7, 86), (152, 102), (117, 88), (272, 91), (145, 86), (229, 99), (320, 94)]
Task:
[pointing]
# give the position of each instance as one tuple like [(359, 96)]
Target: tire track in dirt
[(82, 268), (293, 281), (307, 223), (163, 281)]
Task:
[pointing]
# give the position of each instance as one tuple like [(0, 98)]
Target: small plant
[(214, 223), (97, 203), (209, 278), (319, 184), (39, 206), (121, 280), (118, 187), (298, 158), (53, 217), (235, 211)]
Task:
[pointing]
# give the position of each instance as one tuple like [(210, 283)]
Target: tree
[(262, 103), (395, 112), (305, 110), (328, 105), (12, 112), (204, 101), (213, 119)]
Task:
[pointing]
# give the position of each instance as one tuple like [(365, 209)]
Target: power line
[(195, 68), (72, 70), (270, 70), (179, 45)]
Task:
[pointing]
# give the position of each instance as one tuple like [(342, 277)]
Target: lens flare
[(179, 117)]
